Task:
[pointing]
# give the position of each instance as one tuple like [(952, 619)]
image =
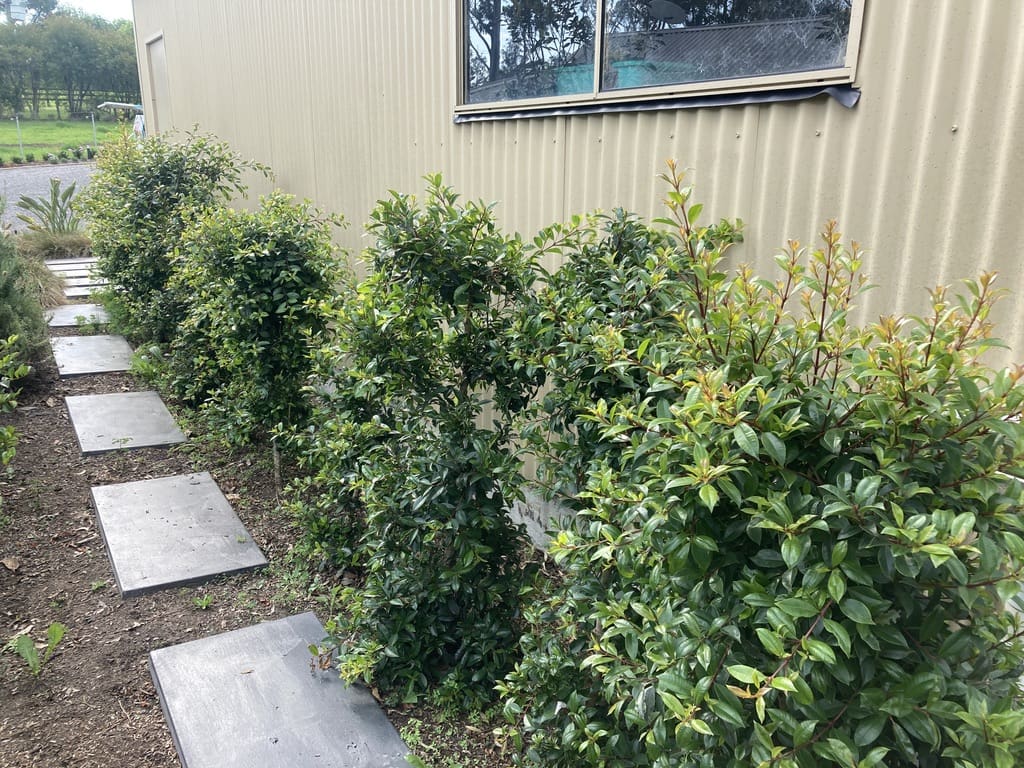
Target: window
[(534, 53)]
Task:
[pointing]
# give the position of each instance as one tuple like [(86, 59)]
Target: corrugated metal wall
[(347, 100)]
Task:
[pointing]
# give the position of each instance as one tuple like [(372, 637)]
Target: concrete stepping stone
[(80, 291), (81, 355), (78, 261), (171, 531), (72, 315), (122, 420), (79, 282), (72, 272), (250, 699)]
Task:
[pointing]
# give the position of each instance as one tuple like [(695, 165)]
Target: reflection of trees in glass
[(664, 41), (634, 16), (530, 48), (522, 42)]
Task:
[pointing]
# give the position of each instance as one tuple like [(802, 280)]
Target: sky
[(108, 9)]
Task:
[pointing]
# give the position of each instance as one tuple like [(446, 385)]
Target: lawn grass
[(41, 137)]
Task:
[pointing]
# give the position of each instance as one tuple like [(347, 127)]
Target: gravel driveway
[(34, 181)]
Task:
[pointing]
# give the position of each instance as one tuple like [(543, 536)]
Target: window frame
[(822, 78)]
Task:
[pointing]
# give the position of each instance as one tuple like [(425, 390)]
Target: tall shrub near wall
[(138, 204), (258, 287), (419, 356), (798, 540)]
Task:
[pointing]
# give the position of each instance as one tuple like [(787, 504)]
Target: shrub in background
[(800, 541), (257, 287), (418, 356), (138, 203), (21, 312), (11, 369)]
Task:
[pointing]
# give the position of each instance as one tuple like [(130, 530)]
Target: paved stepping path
[(81, 355), (122, 420), (248, 699), (68, 315), (251, 698), (77, 274), (170, 532)]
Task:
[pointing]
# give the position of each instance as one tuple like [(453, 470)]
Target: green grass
[(41, 137)]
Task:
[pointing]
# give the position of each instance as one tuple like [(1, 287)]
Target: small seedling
[(24, 646), (203, 602), (98, 585), (89, 324)]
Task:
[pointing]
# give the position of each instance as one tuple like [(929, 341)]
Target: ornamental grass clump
[(798, 540)]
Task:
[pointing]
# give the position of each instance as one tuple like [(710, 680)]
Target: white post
[(21, 147), (92, 116)]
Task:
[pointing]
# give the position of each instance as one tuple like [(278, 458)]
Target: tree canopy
[(65, 58)]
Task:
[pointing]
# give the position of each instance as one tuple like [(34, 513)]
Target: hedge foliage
[(138, 204), (255, 284), (408, 485), (797, 537)]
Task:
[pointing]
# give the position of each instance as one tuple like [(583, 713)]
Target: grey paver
[(121, 420), (58, 263), (81, 355), (79, 282), (79, 292), (76, 271), (247, 699), (171, 531), (67, 316)]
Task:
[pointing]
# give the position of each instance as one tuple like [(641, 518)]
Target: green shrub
[(596, 291), (21, 313), (138, 203), (30, 157), (257, 285), (11, 370), (798, 545), (418, 356)]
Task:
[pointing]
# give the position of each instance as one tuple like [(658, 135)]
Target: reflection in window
[(524, 49), (656, 42), (529, 49)]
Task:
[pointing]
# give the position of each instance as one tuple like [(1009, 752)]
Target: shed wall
[(346, 100)]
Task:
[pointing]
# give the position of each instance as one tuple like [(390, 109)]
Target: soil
[(93, 703)]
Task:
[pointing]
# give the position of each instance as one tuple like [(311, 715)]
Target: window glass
[(549, 49), (526, 49), (658, 42)]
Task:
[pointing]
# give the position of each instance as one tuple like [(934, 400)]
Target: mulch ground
[(93, 704)]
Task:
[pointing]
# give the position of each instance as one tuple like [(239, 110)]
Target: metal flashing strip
[(847, 95)]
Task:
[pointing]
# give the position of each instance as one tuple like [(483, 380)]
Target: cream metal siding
[(346, 100)]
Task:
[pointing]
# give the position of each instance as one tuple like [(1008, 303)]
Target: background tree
[(66, 58)]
